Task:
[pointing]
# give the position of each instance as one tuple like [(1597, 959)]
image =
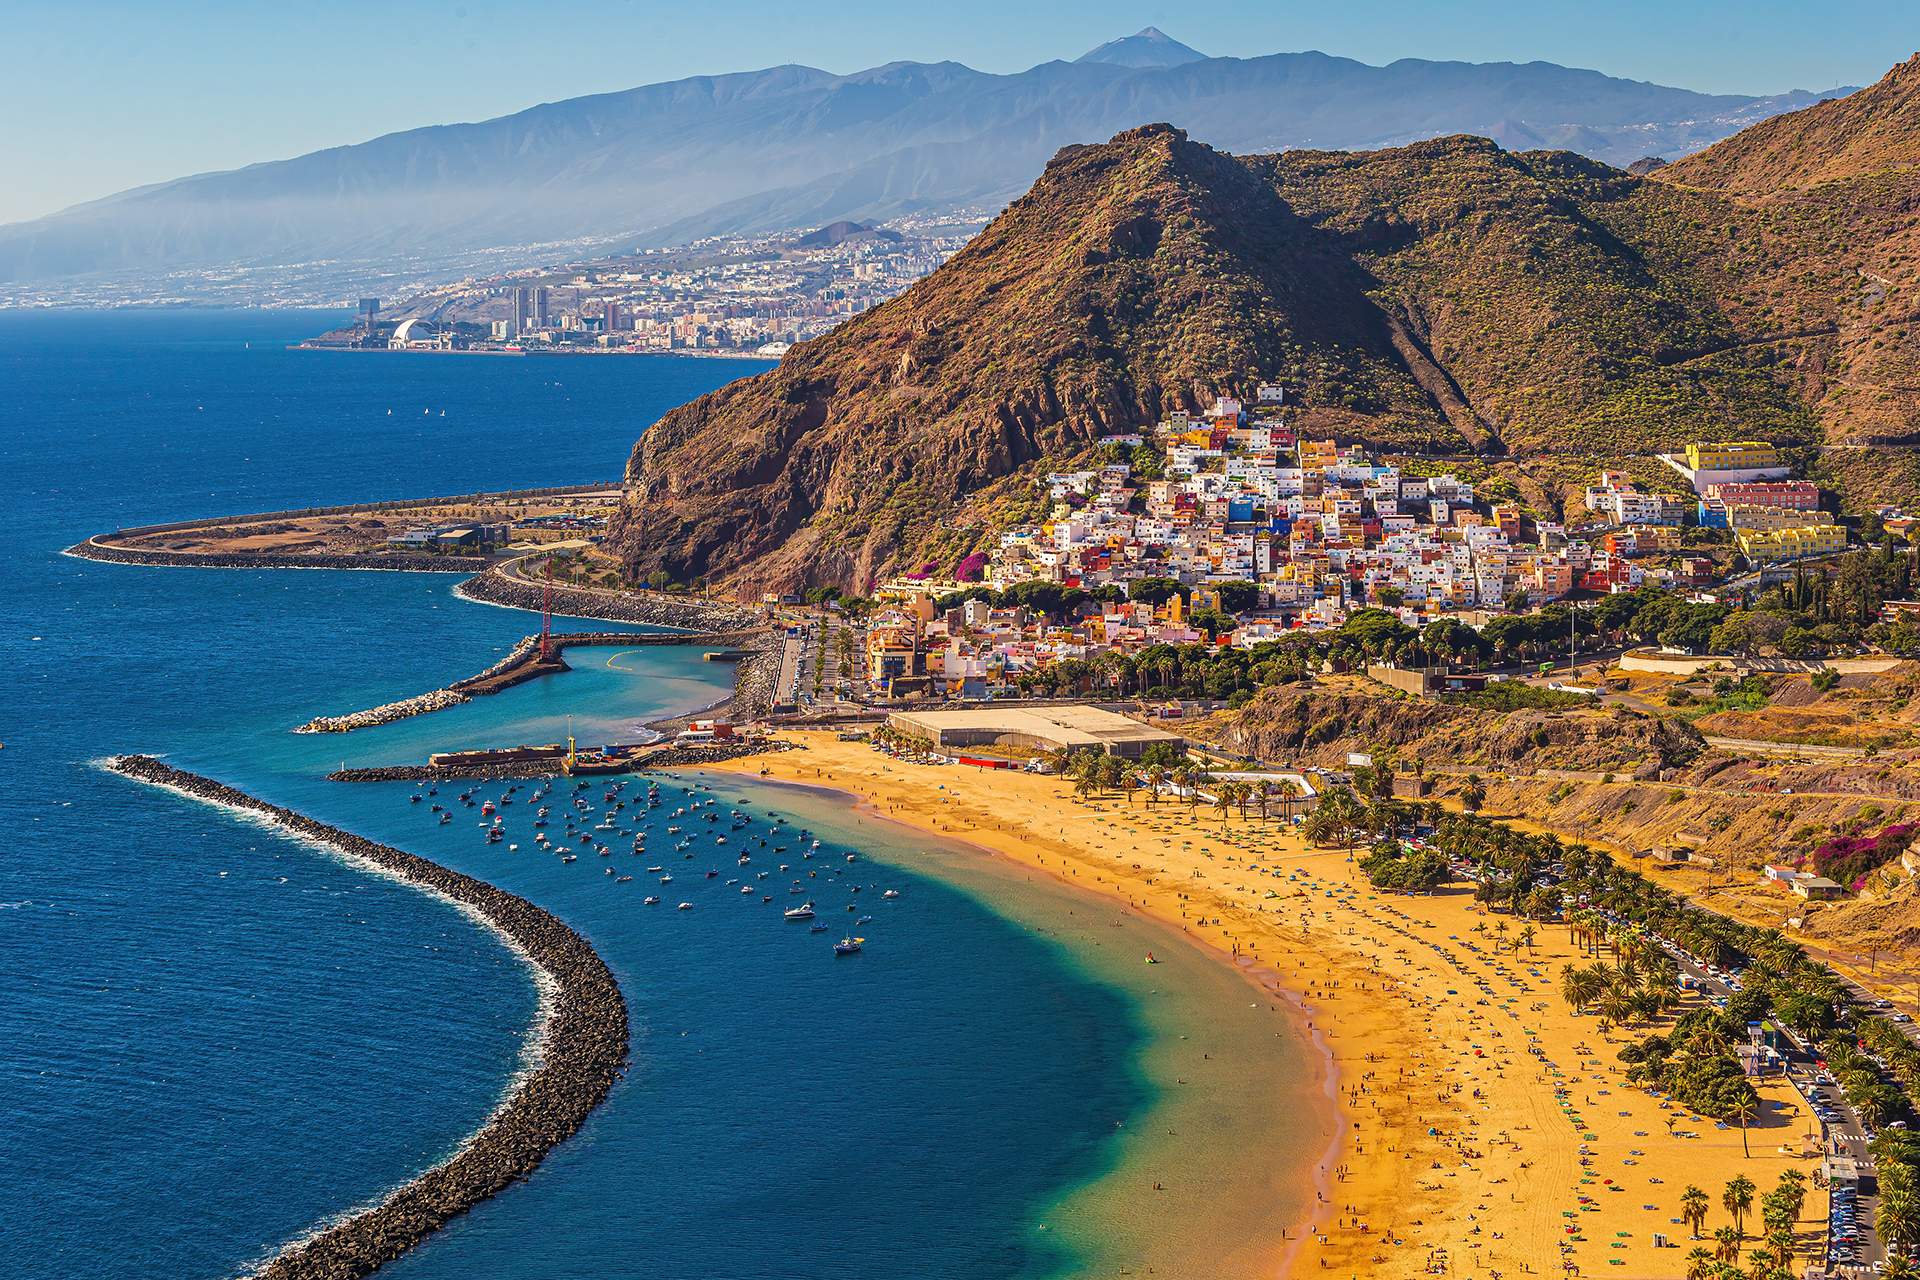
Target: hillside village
[(1226, 528)]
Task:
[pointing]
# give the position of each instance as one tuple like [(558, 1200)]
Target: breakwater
[(387, 713), (651, 608), (522, 663), (583, 1049), (448, 772), (664, 757), (398, 561)]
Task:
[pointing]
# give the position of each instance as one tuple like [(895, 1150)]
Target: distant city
[(722, 295)]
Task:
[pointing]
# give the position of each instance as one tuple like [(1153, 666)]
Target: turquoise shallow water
[(212, 1038)]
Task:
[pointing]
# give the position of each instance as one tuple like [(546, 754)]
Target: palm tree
[(1699, 1263), (1473, 795), (1726, 1242), (1737, 1200), (1527, 932), (1746, 1111), (1793, 1191), (1156, 778), (1693, 1207)]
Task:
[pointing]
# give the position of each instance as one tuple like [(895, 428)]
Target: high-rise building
[(610, 317), (367, 310), (520, 312), (539, 312)]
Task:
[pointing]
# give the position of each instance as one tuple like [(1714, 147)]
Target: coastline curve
[(583, 1044)]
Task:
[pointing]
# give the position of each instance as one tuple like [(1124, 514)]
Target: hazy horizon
[(116, 96)]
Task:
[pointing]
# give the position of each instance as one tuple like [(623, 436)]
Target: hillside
[(1876, 130), (1540, 310), (795, 146), (1320, 724)]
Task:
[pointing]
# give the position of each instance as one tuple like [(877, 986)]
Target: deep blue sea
[(213, 1039)]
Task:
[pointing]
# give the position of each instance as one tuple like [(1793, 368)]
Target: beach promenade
[(1485, 1130)]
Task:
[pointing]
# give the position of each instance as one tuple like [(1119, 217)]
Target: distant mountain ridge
[(794, 146)]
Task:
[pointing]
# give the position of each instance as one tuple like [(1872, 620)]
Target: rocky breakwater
[(652, 608), (583, 1049), (420, 704)]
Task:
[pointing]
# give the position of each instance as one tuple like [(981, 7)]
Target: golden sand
[(1483, 1127)]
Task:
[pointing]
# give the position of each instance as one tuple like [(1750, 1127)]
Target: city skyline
[(243, 87)]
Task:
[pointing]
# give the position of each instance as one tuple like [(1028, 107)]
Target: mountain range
[(794, 146), (1529, 316)]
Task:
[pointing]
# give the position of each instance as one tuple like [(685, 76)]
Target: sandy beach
[(1481, 1128)]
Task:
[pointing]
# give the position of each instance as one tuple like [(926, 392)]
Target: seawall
[(522, 663), (494, 587), (584, 1049)]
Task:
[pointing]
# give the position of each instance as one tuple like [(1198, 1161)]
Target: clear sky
[(101, 95)]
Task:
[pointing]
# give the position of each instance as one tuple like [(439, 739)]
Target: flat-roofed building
[(1071, 728)]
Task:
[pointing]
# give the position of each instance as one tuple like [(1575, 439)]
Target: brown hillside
[(1321, 724), (1874, 131)]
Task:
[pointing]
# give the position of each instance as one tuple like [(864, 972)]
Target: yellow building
[(1318, 455), (1792, 544), (1732, 455), (1748, 516)]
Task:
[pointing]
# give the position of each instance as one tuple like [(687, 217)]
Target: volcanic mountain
[(1537, 312)]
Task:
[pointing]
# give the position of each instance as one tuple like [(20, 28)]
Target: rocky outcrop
[(583, 1050)]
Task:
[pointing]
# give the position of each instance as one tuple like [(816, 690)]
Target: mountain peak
[(1147, 47)]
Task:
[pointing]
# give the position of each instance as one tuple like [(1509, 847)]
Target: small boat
[(622, 879), (493, 835), (486, 810), (802, 912), (685, 906), (891, 893), (666, 879), (819, 928), (652, 902), (848, 946)]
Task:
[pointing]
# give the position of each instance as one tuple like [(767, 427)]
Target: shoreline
[(580, 1047), (1478, 1117), (1259, 1253)]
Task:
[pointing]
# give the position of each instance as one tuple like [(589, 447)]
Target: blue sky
[(101, 95)]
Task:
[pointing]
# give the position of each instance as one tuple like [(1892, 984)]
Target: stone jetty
[(652, 608), (448, 772), (522, 663), (420, 704), (583, 1050)]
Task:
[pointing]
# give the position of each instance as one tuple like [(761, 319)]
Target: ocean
[(214, 1038)]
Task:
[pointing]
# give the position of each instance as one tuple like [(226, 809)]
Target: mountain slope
[(1444, 297), (1876, 130), (795, 146)]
